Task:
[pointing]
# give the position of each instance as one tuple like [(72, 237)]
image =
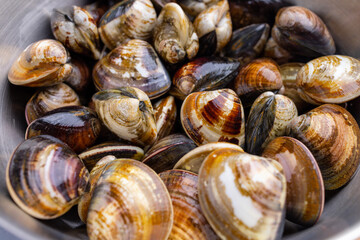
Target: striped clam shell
[(242, 195), (213, 116), (165, 112), (130, 201), (133, 64), (45, 177), (189, 221), (80, 76), (43, 63)]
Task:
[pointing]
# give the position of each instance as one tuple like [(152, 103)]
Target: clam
[(97, 9), (329, 79), (126, 20), (174, 35), (269, 116), (48, 99), (332, 135), (77, 126), (130, 201), (133, 64), (193, 7), (214, 28), (203, 74), (80, 78), (76, 29), (164, 154), (193, 159), (242, 195), (258, 76), (43, 63), (45, 178), (91, 156), (189, 221), (128, 113), (213, 116), (300, 31), (305, 187), (277, 53), (165, 112)]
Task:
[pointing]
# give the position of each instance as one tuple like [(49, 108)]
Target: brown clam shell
[(80, 76), (165, 112), (276, 53)]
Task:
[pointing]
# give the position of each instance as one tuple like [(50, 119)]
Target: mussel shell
[(276, 53), (80, 77), (333, 137), (189, 221), (329, 79), (165, 112), (43, 63), (242, 195), (167, 151), (77, 126), (130, 201), (192, 160), (305, 187), (213, 116), (134, 64), (269, 116), (204, 74), (45, 177), (48, 99)]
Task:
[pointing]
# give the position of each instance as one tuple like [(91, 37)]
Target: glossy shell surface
[(165, 113)]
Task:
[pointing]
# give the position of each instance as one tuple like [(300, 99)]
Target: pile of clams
[(199, 127)]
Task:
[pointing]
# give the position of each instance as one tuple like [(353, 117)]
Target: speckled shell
[(80, 76), (193, 7), (128, 113), (305, 187), (332, 135), (129, 19), (174, 35), (242, 195), (204, 74), (120, 150), (193, 159), (43, 63), (77, 30), (167, 151), (276, 53), (258, 76), (130, 201), (213, 116), (329, 79), (189, 221), (134, 64), (45, 178), (214, 28), (269, 116), (300, 31), (48, 99), (165, 112)]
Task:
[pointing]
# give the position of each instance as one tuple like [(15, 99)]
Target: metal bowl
[(26, 21)]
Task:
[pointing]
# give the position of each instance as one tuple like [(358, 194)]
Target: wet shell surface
[(189, 221), (134, 64), (48, 99), (329, 79), (213, 116), (80, 76), (277, 53), (174, 35), (193, 7), (165, 112), (332, 135), (242, 195), (130, 201), (269, 116), (126, 20), (43, 63), (128, 113), (305, 187), (192, 160), (45, 178)]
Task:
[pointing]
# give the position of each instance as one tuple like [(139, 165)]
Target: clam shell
[(45, 178), (193, 7), (130, 201), (277, 53), (213, 116), (165, 112), (242, 195), (329, 79), (80, 77), (134, 64), (189, 221), (332, 135), (43, 63), (97, 9), (305, 187)]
